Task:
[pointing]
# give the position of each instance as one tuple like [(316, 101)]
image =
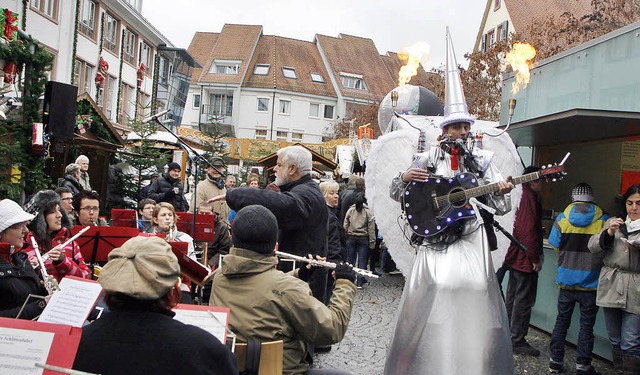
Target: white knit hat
[(11, 213)]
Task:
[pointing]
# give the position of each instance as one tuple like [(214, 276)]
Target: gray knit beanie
[(255, 228)]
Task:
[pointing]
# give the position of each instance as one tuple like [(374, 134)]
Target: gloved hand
[(345, 271), (169, 194), (305, 272)]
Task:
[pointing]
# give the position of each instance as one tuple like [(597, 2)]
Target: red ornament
[(10, 72), (141, 75), (103, 69)]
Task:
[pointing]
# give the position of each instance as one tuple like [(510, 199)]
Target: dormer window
[(315, 77), (289, 72), (352, 81), (228, 67), (261, 69)]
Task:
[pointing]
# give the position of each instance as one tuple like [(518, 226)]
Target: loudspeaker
[(59, 109)]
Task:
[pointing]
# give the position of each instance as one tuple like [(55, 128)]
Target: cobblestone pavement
[(363, 349)]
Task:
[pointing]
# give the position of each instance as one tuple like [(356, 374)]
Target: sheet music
[(213, 322), (21, 349), (72, 304)]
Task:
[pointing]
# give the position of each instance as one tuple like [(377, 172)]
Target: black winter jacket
[(301, 211), (72, 184), (17, 281), (162, 191)]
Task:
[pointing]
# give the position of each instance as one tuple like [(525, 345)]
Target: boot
[(630, 365), (617, 359)]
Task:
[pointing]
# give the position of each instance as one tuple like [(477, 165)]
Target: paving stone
[(363, 349)]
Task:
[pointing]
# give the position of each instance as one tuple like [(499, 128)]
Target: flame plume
[(519, 58), (414, 55)]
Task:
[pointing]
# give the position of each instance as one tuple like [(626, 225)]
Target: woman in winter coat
[(50, 228), (361, 234), (336, 248), (17, 277), (619, 284)]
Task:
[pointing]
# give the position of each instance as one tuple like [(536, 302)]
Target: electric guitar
[(441, 204)]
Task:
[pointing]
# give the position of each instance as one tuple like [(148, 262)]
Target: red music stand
[(121, 217), (193, 270), (205, 223), (96, 243)]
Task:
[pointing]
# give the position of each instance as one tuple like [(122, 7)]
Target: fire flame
[(520, 60), (414, 55)]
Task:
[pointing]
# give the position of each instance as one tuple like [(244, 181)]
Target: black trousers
[(521, 296)]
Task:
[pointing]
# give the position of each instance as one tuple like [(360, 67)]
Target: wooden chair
[(271, 357)]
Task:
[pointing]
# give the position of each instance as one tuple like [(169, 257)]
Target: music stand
[(96, 243), (204, 226), (193, 270), (121, 217)]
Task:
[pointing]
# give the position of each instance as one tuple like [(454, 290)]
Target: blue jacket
[(578, 268)]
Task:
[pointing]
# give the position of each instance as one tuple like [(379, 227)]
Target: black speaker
[(59, 109)]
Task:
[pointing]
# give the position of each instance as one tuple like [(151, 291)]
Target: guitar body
[(437, 206)]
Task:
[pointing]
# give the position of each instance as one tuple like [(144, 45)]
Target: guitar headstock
[(552, 172)]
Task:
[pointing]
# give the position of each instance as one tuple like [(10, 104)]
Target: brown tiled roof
[(280, 52), (200, 48), (394, 63), (524, 12), (235, 42), (355, 55)]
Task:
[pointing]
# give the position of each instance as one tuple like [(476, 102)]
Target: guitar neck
[(492, 188)]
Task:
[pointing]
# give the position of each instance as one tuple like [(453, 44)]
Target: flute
[(46, 256), (321, 263), (50, 283)]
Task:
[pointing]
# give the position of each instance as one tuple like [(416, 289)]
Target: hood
[(582, 214), (242, 263)]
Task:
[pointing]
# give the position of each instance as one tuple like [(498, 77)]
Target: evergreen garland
[(119, 96), (16, 131), (75, 42), (97, 126)]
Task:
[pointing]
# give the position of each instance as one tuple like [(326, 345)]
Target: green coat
[(269, 305)]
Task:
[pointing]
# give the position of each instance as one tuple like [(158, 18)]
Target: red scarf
[(455, 163)]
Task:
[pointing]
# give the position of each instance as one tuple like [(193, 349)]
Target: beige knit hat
[(144, 268)]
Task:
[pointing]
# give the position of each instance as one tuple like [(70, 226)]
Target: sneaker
[(590, 371), (555, 368), (525, 349), (322, 349)]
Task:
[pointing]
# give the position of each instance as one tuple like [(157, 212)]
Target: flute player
[(269, 305)]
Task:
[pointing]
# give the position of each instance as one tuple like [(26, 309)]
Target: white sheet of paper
[(72, 304), (21, 349), (204, 320)]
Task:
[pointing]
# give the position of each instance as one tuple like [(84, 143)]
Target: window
[(111, 31), (289, 72), (145, 57), (281, 135), (261, 70), (83, 76), (109, 93), (491, 39), (496, 4), (328, 111), (196, 101), (47, 7), (128, 104), (314, 110), (503, 30), (129, 52), (221, 105), (296, 136), (352, 81), (285, 107), (228, 67), (315, 77), (261, 134), (263, 104), (87, 23), (163, 71)]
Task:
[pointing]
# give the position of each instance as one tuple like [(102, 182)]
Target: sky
[(391, 25)]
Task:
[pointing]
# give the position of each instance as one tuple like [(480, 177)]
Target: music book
[(213, 319), (25, 343), (121, 217), (73, 303)]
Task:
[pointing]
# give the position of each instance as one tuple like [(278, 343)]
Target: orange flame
[(520, 60), (414, 55)]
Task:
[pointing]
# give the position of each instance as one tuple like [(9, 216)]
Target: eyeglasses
[(89, 209), (67, 199)]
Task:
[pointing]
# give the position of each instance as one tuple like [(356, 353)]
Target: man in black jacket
[(298, 204), (169, 188)]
